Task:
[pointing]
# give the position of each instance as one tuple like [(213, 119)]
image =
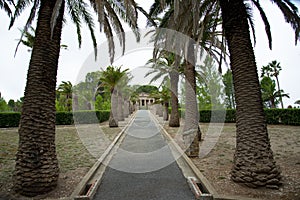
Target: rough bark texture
[(36, 171), (113, 117), (126, 108), (174, 118), (166, 111), (120, 107), (191, 130), (254, 164)]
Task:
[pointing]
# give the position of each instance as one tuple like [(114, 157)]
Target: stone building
[(145, 100)]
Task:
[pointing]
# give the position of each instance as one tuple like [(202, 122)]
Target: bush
[(283, 116), (273, 116), (9, 119), (12, 119), (90, 117), (64, 118)]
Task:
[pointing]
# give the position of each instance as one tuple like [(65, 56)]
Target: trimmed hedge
[(62, 118), (273, 116), (9, 119)]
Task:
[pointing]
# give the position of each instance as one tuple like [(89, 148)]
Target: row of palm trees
[(36, 169), (253, 153)]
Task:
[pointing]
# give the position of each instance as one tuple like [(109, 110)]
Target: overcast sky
[(72, 61)]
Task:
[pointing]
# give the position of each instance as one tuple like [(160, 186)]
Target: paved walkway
[(143, 167)]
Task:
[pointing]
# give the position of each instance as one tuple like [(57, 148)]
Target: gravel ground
[(216, 166)]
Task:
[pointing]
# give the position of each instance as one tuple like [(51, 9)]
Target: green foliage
[(273, 116), (64, 118), (209, 88), (3, 106), (147, 89), (9, 119), (229, 89), (90, 117), (101, 103), (283, 116)]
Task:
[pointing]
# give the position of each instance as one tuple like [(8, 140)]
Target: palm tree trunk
[(279, 91), (254, 164), (191, 130), (174, 118), (120, 107), (36, 170), (113, 117), (166, 111)]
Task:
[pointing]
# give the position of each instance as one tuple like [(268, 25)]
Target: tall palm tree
[(111, 78), (66, 89), (254, 163), (273, 69), (36, 169), (165, 66), (206, 19), (229, 90)]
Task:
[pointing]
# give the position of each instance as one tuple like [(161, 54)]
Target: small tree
[(272, 70)]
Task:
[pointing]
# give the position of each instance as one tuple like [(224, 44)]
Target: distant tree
[(167, 66), (66, 89), (209, 86), (229, 90), (146, 89), (11, 104), (3, 105), (270, 96), (272, 70), (110, 78)]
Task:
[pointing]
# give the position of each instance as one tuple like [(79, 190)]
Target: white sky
[(13, 70)]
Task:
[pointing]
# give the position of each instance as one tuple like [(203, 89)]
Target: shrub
[(9, 119), (12, 119), (64, 118)]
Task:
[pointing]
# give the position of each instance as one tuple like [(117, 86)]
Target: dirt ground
[(216, 165)]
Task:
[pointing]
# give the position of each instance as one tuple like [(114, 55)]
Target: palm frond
[(109, 36), (82, 8), (266, 22), (21, 5), (73, 11), (291, 15), (5, 6)]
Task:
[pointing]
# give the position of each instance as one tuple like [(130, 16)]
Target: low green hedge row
[(273, 116), (11, 119)]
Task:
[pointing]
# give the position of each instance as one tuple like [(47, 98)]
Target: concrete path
[(143, 167)]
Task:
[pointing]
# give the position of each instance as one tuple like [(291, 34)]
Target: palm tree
[(205, 19), (269, 94), (36, 171), (273, 69), (229, 89), (254, 163), (66, 89), (111, 78), (166, 67), (162, 98), (4, 4)]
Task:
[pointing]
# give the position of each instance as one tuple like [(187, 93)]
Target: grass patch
[(70, 151)]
